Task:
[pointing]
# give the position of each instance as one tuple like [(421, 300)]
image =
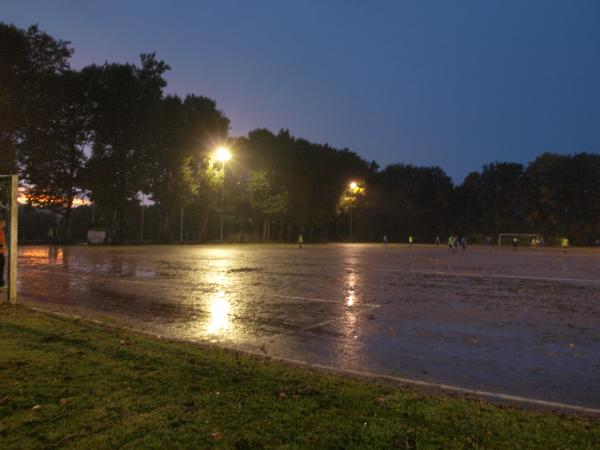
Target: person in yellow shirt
[(564, 244), (2, 252)]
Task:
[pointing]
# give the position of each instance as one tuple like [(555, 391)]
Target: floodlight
[(222, 154)]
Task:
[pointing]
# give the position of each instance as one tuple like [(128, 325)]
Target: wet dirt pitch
[(523, 323)]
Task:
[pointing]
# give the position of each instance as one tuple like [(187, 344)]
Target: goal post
[(9, 212), (510, 236)]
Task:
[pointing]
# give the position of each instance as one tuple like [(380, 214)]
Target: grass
[(67, 383)]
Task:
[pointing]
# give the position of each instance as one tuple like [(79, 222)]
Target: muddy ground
[(523, 323)]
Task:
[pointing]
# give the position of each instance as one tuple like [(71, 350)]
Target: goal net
[(9, 217), (523, 239)]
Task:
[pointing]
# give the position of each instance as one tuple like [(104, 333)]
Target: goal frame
[(529, 235), (10, 207)]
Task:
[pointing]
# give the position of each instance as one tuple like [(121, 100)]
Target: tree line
[(108, 133)]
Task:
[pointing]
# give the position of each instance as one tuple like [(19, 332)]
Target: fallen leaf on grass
[(36, 407), (64, 401), (216, 436)]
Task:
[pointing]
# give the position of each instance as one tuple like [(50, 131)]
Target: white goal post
[(9, 211), (529, 236)]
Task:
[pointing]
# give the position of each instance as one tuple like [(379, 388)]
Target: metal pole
[(181, 226), (222, 202), (142, 226), (13, 237)]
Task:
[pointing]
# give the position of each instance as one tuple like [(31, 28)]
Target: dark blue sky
[(450, 83)]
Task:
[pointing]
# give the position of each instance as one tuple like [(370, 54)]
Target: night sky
[(449, 83)]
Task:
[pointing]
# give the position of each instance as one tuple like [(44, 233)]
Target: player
[(515, 244), (385, 240), (564, 243), (410, 240), (463, 244), (450, 243), (300, 240), (437, 241), (2, 252)]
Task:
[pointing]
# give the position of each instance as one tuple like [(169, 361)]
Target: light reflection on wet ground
[(524, 323)]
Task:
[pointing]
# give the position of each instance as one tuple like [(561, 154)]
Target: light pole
[(222, 154), (353, 190), (142, 221)]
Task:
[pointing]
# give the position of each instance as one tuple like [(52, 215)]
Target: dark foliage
[(108, 135)]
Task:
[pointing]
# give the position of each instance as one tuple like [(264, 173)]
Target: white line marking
[(428, 384), (167, 284), (313, 299), (319, 324), (378, 269), (446, 387), (501, 276)]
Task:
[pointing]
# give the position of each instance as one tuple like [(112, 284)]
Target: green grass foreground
[(71, 383)]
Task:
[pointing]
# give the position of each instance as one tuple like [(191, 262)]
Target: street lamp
[(223, 155)]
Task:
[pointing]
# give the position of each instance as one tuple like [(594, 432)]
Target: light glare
[(222, 154)]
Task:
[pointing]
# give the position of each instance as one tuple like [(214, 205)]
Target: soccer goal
[(524, 238), (9, 219)]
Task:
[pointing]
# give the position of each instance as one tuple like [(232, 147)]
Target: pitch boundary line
[(382, 269), (319, 324), (508, 277), (433, 385), (337, 370), (185, 283)]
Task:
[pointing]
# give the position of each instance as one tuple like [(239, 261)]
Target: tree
[(126, 102), (313, 175), (177, 161), (501, 197), (563, 195), (30, 60), (405, 200), (53, 155), (267, 200)]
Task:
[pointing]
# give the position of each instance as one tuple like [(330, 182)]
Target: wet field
[(523, 323)]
